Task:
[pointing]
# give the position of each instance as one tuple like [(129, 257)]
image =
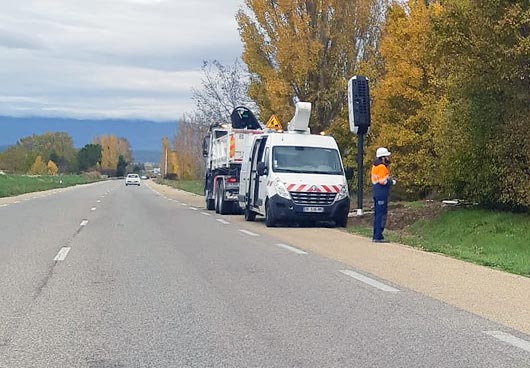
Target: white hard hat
[(382, 152)]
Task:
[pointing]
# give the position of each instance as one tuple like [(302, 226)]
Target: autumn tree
[(407, 97), (111, 149), (51, 168), (306, 50), (55, 146), (188, 147), (222, 89), (38, 167)]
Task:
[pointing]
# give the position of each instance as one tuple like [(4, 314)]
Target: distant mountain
[(143, 135), (147, 156)]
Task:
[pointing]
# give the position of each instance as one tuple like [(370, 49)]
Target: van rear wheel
[(249, 215)]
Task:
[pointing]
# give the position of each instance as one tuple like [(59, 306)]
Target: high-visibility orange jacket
[(381, 181)]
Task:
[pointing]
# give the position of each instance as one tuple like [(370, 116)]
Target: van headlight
[(280, 189), (343, 193)]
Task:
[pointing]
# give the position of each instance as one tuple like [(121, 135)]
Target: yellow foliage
[(52, 168), (38, 167), (306, 51), (111, 149), (406, 100)]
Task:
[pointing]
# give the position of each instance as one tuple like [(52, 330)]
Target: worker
[(381, 183)]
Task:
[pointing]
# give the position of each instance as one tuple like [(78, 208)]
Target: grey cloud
[(134, 58), (19, 40)]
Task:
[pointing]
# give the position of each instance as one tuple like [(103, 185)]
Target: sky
[(133, 59)]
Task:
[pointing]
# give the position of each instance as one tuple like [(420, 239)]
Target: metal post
[(165, 166), (360, 180)]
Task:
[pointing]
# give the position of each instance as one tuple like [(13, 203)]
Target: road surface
[(106, 276)]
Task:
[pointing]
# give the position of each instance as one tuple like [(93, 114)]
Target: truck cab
[(294, 176)]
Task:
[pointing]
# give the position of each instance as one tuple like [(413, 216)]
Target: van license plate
[(314, 209)]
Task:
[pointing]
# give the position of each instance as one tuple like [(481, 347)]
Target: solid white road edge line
[(510, 339), (205, 214), (248, 232), (62, 254), (292, 249), (369, 281), (83, 223), (223, 221)]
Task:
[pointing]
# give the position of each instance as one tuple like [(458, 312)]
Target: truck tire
[(249, 215), (217, 199), (270, 220), (209, 202), (225, 208)]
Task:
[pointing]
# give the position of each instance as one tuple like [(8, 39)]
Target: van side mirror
[(262, 169), (348, 172)]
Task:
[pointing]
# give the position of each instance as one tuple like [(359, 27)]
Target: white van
[(294, 176)]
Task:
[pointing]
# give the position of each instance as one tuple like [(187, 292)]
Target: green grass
[(496, 239), (11, 185), (192, 186)]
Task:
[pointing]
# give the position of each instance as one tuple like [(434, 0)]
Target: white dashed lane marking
[(93, 209), (369, 281), (61, 256), (193, 208), (292, 249), (248, 232), (83, 223), (205, 214), (510, 339), (223, 221)]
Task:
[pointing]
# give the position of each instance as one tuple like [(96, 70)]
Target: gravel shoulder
[(498, 296)]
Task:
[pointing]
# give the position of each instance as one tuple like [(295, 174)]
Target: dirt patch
[(400, 214)]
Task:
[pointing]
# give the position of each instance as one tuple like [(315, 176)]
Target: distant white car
[(132, 179)]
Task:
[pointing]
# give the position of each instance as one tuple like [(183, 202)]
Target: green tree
[(55, 146), (121, 166), (89, 156), (486, 148)]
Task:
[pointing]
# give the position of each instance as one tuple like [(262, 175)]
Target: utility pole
[(165, 165)]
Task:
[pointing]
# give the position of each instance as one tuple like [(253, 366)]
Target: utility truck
[(294, 176), (223, 148)]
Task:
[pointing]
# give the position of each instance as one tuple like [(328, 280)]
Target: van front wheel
[(270, 219)]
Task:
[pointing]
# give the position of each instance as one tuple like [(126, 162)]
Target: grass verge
[(496, 239), (192, 186), (11, 185)]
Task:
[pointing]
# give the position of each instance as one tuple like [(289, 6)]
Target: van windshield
[(307, 160)]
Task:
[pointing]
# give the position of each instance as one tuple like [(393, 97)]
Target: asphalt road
[(112, 276)]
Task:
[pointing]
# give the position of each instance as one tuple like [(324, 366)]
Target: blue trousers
[(381, 209)]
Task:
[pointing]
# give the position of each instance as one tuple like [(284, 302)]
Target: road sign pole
[(360, 180)]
